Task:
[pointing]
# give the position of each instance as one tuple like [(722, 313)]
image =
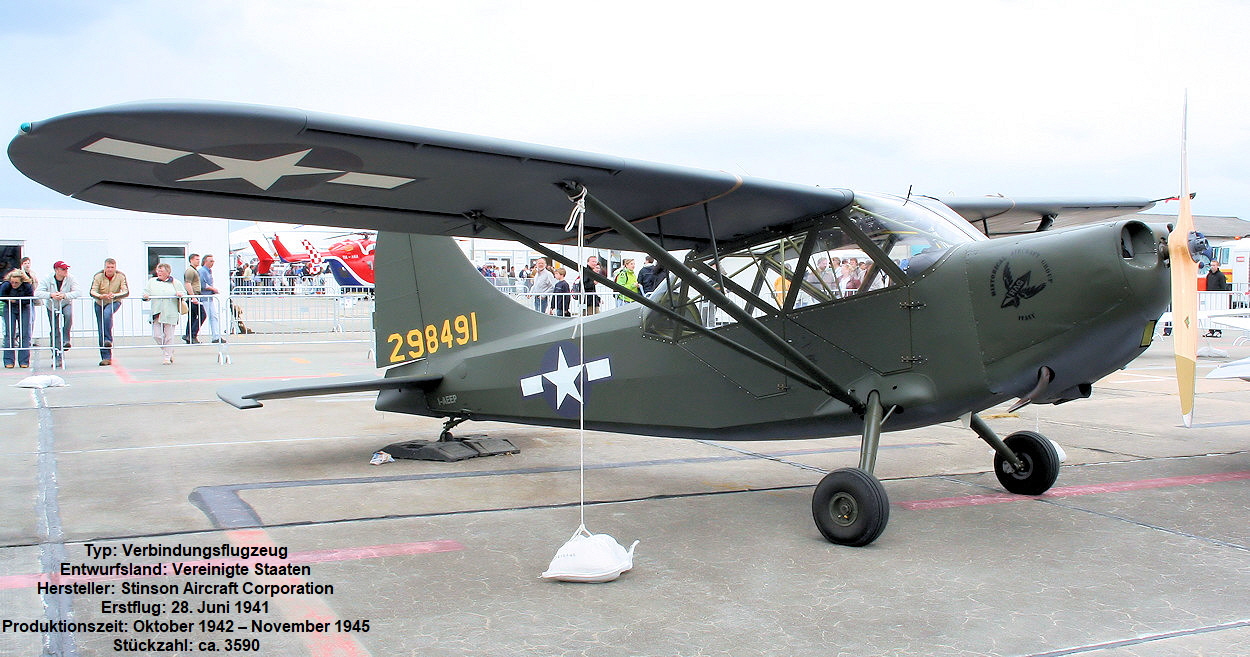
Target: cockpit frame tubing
[(870, 248), (648, 303), (709, 291)]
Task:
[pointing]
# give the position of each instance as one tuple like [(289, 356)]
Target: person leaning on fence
[(108, 288), (590, 296), (205, 271), (16, 292), (560, 294), (541, 286), (59, 291), (1216, 280), (29, 270), (625, 278), (193, 286), (166, 296)]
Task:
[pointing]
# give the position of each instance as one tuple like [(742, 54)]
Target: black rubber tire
[(850, 507), (1041, 464)]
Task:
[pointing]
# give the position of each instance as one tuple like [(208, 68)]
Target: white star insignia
[(565, 378), (262, 173)]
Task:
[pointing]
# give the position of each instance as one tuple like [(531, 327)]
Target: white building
[(84, 238)]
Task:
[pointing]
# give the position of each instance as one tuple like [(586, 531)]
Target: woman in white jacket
[(166, 295)]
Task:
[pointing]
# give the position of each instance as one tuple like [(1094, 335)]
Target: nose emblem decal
[(1016, 289)]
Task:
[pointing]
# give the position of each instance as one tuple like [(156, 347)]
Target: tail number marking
[(428, 340)]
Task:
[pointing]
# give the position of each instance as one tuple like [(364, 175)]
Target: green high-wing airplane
[(924, 321)]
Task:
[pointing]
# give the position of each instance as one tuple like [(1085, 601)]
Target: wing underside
[(999, 215), (272, 164)]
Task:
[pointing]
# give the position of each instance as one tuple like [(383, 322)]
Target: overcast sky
[(960, 97)]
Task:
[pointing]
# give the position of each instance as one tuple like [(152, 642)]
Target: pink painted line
[(315, 556), (1072, 491), (123, 374)]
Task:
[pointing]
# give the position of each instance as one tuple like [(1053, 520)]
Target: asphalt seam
[(52, 551), (1124, 643)]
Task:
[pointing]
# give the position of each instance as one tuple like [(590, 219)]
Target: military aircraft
[(944, 322)]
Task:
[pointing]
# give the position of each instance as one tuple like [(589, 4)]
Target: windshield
[(914, 233)]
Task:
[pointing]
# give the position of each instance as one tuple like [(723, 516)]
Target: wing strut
[(681, 319), (711, 293)]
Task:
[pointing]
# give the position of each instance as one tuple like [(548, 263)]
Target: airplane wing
[(285, 165), (249, 395), (1240, 323), (999, 215)]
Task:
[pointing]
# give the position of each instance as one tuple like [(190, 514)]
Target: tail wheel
[(1040, 461), (850, 507)]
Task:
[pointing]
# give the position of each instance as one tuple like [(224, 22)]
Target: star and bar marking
[(564, 376), (262, 174)]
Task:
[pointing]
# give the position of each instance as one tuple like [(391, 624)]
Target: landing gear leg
[(451, 423), (1026, 463), (850, 505)]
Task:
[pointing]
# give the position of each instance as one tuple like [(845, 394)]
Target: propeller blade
[(1184, 292)]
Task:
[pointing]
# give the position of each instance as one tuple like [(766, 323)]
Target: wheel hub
[(1026, 463), (844, 509)]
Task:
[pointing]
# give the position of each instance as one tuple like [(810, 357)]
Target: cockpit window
[(914, 233), (875, 243)]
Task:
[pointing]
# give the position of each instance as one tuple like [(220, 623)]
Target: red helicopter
[(350, 261)]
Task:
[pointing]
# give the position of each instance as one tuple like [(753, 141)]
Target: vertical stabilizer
[(283, 252), (264, 261), (431, 302)]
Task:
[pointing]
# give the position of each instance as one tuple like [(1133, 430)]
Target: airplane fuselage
[(972, 331)]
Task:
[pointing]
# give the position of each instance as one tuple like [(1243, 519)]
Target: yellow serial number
[(428, 340)]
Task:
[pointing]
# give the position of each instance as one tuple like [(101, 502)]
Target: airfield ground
[(1142, 547)]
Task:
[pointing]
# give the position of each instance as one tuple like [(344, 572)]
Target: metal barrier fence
[(271, 318), (323, 284), (217, 319)]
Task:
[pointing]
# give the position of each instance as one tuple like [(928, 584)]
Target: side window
[(10, 257), (173, 255)]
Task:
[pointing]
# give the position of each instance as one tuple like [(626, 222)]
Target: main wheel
[(1041, 464), (850, 507)]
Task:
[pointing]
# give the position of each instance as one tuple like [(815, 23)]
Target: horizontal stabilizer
[(249, 395), (1238, 369)]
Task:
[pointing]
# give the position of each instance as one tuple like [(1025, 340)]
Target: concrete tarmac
[(1142, 548)]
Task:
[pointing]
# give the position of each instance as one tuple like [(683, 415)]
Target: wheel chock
[(492, 446), (431, 450)]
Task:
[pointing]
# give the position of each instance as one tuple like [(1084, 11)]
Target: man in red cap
[(60, 289)]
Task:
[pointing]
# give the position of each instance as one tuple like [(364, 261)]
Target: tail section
[(283, 252), (264, 261), (432, 303)]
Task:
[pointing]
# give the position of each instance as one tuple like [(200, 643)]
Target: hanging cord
[(577, 221), (577, 216)]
